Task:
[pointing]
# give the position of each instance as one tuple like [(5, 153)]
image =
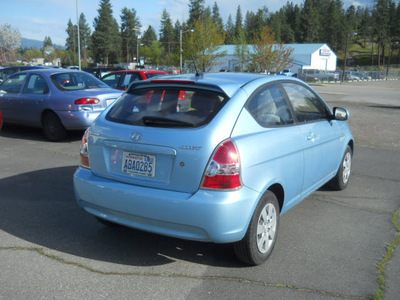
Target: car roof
[(229, 82), (50, 71), (23, 67)]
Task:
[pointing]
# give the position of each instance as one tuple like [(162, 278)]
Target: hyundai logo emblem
[(136, 136)]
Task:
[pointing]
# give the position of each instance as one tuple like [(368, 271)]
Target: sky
[(36, 19)]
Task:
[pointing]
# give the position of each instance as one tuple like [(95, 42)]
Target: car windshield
[(167, 107), (76, 81)]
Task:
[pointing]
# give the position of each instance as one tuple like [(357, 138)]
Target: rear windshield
[(76, 81), (167, 107)]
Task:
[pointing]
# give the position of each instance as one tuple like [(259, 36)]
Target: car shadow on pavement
[(384, 106), (40, 207), (35, 134)]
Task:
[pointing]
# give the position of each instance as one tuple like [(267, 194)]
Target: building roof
[(299, 49)]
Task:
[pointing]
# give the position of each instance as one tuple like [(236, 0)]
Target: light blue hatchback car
[(221, 167)]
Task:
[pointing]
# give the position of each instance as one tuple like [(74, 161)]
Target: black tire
[(341, 180), (53, 129), (255, 248)]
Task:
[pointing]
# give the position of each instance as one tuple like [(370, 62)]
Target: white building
[(305, 57)]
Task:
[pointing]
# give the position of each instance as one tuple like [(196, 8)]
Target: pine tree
[(238, 22), (196, 10), (85, 35), (168, 38), (381, 26), (47, 42), (106, 38), (230, 31), (217, 17), (334, 26), (151, 50), (310, 26), (71, 42), (130, 26)]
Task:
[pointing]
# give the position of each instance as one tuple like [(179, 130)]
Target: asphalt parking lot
[(331, 246)]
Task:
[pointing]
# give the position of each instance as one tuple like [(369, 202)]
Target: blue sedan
[(56, 100), (221, 169)]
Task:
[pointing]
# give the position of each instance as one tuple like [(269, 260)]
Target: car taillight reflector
[(223, 170), (85, 101), (84, 149)]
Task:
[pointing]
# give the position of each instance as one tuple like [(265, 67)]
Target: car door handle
[(311, 137)]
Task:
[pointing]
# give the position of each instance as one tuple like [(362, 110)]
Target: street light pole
[(181, 32), (137, 51)]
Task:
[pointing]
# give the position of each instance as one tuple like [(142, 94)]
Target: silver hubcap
[(266, 228), (346, 168)]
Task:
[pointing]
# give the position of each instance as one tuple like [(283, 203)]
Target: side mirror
[(340, 113)]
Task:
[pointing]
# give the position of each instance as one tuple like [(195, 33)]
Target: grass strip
[(389, 254)]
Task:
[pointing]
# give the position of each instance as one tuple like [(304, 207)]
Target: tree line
[(375, 32)]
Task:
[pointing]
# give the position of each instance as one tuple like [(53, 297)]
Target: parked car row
[(122, 79), (213, 158)]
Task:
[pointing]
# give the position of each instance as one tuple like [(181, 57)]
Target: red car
[(122, 79)]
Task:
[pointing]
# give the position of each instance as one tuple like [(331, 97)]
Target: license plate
[(109, 101), (139, 164)]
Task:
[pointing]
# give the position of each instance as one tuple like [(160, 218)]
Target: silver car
[(55, 100)]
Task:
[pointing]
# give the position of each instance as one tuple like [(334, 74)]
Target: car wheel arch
[(279, 193)]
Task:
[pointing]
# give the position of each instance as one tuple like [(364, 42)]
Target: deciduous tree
[(269, 56), (203, 44), (10, 41)]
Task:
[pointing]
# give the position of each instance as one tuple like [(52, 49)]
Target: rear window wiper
[(165, 122)]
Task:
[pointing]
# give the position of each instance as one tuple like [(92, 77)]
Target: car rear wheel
[(53, 129), (259, 241), (341, 180)]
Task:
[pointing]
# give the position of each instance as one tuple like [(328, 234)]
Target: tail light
[(86, 101), (84, 150), (223, 170)]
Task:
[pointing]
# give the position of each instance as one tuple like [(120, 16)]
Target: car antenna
[(198, 74)]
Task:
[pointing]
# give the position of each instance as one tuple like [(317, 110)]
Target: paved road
[(329, 246)]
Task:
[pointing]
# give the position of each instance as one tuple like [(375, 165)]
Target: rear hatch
[(154, 137)]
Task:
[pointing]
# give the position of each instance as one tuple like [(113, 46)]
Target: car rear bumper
[(214, 216), (78, 120)]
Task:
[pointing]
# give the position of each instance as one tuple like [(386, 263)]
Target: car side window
[(36, 84), (112, 80), (269, 107), (306, 105), (129, 78), (13, 84)]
